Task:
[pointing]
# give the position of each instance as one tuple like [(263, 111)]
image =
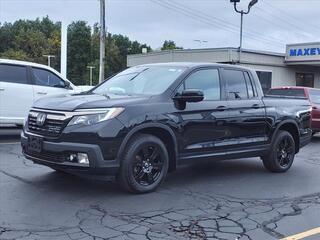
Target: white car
[(22, 83)]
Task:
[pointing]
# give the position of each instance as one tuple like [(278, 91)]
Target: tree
[(15, 54), (79, 51), (30, 40), (169, 45)]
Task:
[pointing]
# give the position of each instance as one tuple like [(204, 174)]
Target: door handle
[(1, 89), (256, 106), (42, 93), (222, 108)]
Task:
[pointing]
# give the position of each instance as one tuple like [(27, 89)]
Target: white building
[(299, 66)]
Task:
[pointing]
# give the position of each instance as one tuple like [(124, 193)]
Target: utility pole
[(90, 69), (253, 2), (49, 58), (102, 40)]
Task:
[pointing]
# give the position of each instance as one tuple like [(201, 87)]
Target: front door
[(247, 120), (203, 124), (47, 83)]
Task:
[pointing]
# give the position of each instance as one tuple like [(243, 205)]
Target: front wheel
[(144, 165), (281, 155)]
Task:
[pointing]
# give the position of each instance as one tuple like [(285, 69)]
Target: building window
[(305, 79), (265, 80)]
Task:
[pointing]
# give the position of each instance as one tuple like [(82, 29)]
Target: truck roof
[(194, 64)]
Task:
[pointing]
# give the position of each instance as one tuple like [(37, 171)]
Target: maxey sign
[(303, 52)]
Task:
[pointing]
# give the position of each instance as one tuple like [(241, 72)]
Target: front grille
[(52, 127)]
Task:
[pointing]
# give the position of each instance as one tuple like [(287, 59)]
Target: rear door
[(16, 93), (247, 120), (47, 83)]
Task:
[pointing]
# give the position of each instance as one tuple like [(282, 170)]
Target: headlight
[(93, 116)]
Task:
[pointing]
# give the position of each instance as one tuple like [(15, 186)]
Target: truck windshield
[(143, 80), (315, 96)]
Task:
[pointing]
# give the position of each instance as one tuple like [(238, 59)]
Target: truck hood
[(71, 102)]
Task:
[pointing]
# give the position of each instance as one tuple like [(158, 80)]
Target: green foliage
[(79, 48), (15, 54), (29, 40), (169, 45)]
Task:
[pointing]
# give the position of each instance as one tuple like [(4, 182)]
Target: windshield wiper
[(138, 74), (103, 94)]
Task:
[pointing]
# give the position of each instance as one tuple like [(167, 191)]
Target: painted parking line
[(303, 235)]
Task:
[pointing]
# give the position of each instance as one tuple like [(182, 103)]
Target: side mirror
[(67, 84), (189, 95)]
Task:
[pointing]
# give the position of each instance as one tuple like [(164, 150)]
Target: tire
[(282, 153), (144, 165)]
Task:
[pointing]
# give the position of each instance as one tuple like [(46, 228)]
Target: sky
[(269, 26)]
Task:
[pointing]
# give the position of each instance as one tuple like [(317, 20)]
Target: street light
[(49, 58), (200, 41), (251, 4), (91, 68)]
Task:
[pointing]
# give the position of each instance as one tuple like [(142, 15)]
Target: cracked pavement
[(236, 199)]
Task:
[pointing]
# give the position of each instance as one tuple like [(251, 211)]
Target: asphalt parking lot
[(235, 199)]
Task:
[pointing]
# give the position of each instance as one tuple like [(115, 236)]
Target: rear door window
[(315, 96), (13, 74), (287, 92), (251, 89), (236, 84)]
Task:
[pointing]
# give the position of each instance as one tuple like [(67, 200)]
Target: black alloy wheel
[(144, 165), (148, 164), (281, 153), (285, 151)]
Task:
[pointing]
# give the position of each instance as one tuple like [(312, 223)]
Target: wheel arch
[(163, 132), (292, 127)]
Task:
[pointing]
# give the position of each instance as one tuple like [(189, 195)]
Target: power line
[(293, 26), (291, 17), (209, 20), (219, 21)]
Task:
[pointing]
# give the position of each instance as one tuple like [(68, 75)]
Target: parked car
[(312, 94), (148, 119), (22, 83)]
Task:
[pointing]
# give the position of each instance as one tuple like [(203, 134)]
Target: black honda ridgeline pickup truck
[(145, 121)]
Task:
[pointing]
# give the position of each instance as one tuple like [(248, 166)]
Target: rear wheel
[(281, 155), (144, 165)]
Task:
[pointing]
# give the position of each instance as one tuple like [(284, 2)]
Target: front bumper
[(97, 166)]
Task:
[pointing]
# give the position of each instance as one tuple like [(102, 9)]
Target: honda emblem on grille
[(41, 118)]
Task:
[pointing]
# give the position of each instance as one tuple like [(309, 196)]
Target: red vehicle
[(313, 94)]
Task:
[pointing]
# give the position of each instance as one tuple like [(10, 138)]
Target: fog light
[(82, 158), (73, 157)]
